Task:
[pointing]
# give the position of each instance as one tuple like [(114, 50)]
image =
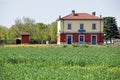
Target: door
[(81, 39), (94, 39), (69, 39)]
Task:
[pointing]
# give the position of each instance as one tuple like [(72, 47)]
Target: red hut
[(25, 38)]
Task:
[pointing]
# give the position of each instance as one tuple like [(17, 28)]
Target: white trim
[(82, 32), (91, 38), (67, 38), (83, 38), (58, 27)]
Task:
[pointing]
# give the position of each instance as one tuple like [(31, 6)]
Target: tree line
[(40, 32)]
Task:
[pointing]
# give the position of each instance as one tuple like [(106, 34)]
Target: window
[(69, 26), (81, 26), (93, 26), (81, 39)]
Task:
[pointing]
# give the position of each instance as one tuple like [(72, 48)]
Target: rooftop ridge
[(81, 16)]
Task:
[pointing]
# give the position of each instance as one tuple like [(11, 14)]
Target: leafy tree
[(110, 28), (53, 31), (38, 35), (3, 33), (13, 32), (25, 25), (19, 26), (41, 32), (28, 25)]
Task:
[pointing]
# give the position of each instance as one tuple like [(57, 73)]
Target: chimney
[(73, 12), (93, 13), (59, 17)]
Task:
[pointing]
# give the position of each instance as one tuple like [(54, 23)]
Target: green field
[(60, 63)]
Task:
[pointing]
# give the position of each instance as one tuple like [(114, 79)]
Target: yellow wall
[(76, 25)]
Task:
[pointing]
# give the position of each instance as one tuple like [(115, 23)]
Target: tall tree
[(3, 33), (110, 28), (41, 32), (53, 31), (38, 35), (29, 25), (25, 25), (13, 32)]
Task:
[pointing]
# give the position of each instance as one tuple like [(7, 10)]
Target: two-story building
[(80, 28)]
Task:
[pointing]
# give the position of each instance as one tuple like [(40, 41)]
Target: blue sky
[(47, 11)]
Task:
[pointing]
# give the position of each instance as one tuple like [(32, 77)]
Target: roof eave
[(80, 19)]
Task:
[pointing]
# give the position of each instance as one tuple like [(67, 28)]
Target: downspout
[(63, 29), (100, 29)]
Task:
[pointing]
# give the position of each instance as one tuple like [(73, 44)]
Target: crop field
[(60, 63)]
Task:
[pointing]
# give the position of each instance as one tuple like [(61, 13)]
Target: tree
[(110, 28), (3, 33), (29, 25), (53, 31), (25, 25), (41, 32), (13, 32), (38, 35)]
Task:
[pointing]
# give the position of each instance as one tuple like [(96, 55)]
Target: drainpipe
[(63, 29), (100, 28)]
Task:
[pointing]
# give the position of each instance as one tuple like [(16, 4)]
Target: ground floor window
[(93, 39), (81, 39)]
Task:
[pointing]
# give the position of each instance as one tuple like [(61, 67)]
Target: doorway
[(93, 39), (69, 39), (18, 41)]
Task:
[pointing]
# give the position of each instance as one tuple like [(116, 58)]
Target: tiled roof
[(81, 16)]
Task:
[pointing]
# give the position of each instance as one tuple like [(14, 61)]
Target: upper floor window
[(69, 26), (94, 26), (81, 26)]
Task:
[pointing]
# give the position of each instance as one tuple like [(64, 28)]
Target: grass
[(60, 62)]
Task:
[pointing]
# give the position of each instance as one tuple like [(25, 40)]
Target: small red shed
[(25, 38)]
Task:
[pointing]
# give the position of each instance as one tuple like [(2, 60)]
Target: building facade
[(25, 38), (80, 28)]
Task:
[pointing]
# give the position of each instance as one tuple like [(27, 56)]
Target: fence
[(7, 42), (117, 42), (31, 42)]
